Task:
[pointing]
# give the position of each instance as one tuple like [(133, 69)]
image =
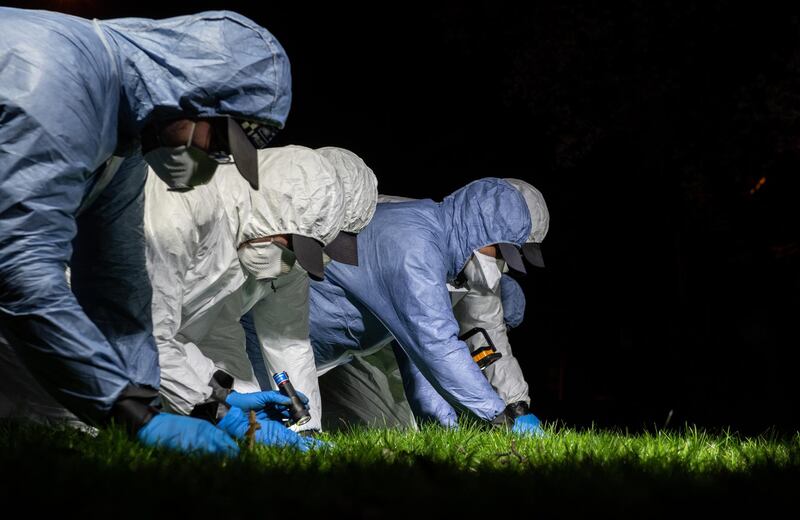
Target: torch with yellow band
[(485, 355)]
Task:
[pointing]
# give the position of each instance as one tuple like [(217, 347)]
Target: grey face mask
[(182, 167)]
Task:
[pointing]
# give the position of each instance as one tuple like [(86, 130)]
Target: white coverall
[(282, 297), (201, 290)]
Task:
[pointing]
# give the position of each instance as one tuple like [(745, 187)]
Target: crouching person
[(218, 251)]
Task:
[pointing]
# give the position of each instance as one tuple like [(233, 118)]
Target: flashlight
[(486, 355), (297, 409)]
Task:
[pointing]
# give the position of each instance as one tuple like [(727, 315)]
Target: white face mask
[(483, 272), (182, 167), (266, 260)]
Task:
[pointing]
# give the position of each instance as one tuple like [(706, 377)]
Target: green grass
[(377, 473)]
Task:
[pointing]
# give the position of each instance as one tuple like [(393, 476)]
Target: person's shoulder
[(415, 221)]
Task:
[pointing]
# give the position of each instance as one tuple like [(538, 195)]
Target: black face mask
[(181, 167)]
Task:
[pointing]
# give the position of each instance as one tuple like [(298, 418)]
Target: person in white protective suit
[(360, 198), (369, 389), (215, 253), (346, 328)]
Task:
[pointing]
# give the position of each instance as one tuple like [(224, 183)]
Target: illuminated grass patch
[(434, 471)]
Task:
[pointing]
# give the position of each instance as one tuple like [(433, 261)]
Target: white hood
[(540, 217), (300, 193), (360, 187)]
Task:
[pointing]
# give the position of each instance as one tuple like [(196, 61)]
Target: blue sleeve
[(41, 317), (253, 348), (513, 301), (425, 401), (333, 323), (109, 271), (420, 316), (44, 176)]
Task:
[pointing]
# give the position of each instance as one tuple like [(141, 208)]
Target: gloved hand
[(529, 425), (271, 433), (187, 434), (274, 405)]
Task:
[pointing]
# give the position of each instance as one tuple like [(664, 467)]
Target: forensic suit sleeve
[(42, 184), (426, 403), (171, 249), (514, 303), (420, 316), (486, 310), (282, 326), (39, 314)]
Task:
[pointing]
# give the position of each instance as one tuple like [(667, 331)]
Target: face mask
[(483, 272), (182, 167), (266, 260)]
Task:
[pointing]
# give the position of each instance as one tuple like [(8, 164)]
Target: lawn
[(381, 473)]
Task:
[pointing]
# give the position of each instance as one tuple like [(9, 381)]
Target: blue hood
[(485, 212), (207, 64)]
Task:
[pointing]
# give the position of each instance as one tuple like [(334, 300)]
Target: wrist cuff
[(134, 408), (502, 419), (517, 409), (216, 407)]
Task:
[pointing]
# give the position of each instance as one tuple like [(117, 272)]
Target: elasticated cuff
[(216, 407), (517, 409), (502, 419), (134, 408)]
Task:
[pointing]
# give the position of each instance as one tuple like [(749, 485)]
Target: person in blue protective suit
[(367, 389), (83, 105), (407, 256)]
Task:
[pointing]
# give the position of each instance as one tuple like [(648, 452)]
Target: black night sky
[(665, 137)]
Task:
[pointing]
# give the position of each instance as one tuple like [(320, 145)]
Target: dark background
[(672, 273)]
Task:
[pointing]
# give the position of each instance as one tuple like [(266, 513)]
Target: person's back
[(340, 317)]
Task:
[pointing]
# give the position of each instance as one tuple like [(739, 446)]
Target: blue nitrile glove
[(528, 424), (274, 405), (178, 432), (271, 433)]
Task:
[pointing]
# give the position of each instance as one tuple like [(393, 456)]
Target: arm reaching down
[(54, 335), (422, 321), (425, 401), (486, 309), (282, 328), (181, 241)]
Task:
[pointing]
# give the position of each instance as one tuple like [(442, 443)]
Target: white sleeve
[(485, 310), (224, 343), (169, 232), (281, 322)]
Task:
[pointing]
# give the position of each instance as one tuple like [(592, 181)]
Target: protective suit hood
[(540, 216), (207, 64), (484, 212), (360, 187), (299, 194)]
